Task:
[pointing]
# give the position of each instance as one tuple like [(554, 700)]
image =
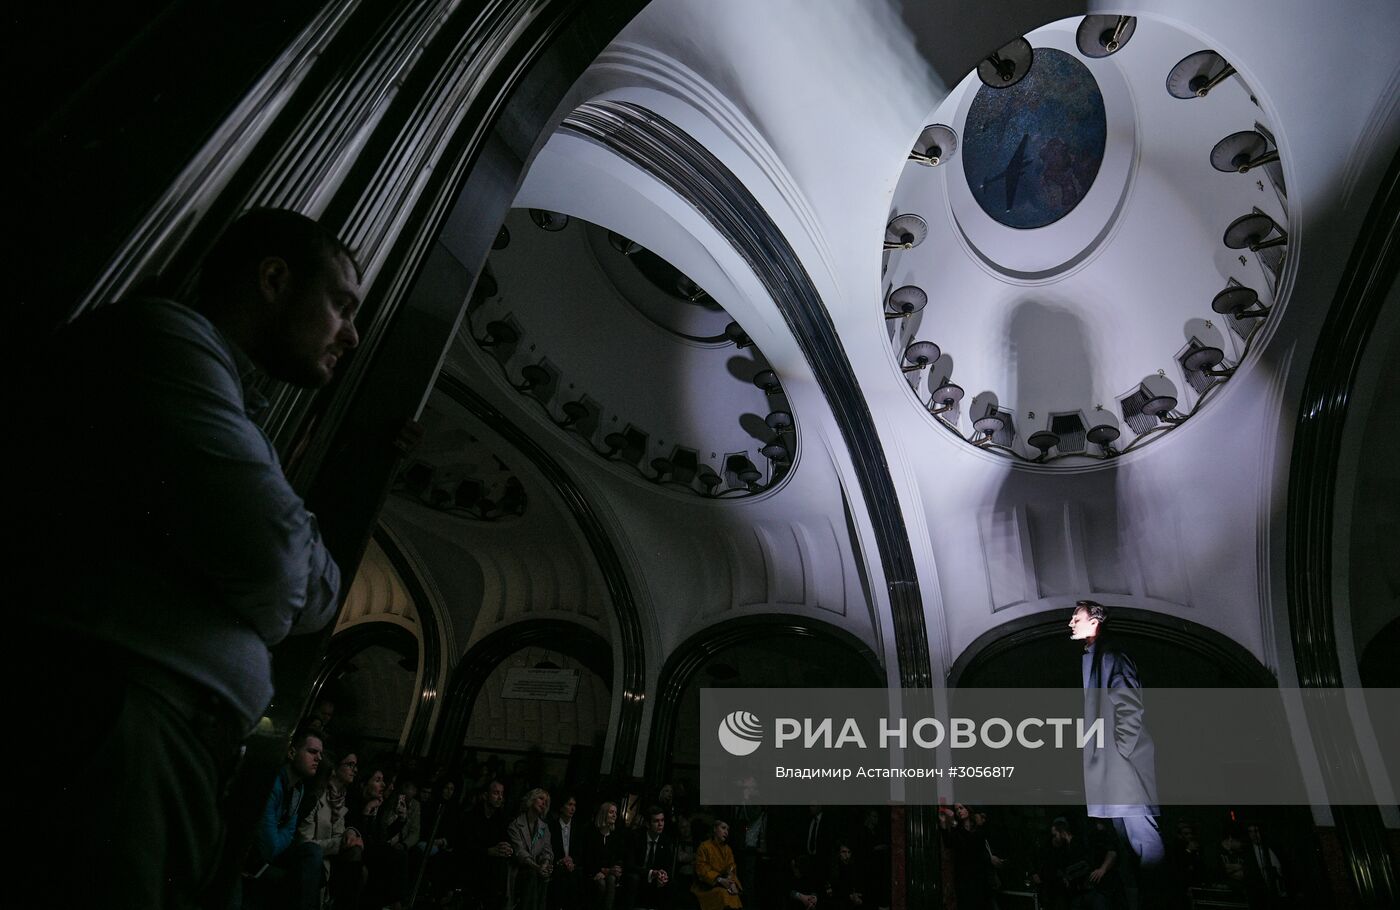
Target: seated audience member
[(1263, 873), (846, 885), (602, 859), (804, 887), (169, 553), (484, 851), (1232, 859), (651, 863), (531, 853), (685, 854), (288, 871), (380, 818), (873, 837), (717, 883), (566, 839), (400, 826), (441, 825), (324, 826), (1085, 866)]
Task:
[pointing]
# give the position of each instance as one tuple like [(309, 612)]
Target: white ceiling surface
[(814, 106)]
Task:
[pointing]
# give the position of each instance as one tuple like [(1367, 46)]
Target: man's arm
[(272, 836), (232, 516), (1125, 692)]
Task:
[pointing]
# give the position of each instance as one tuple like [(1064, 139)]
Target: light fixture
[(736, 334), (919, 355), (904, 232), (990, 422), (775, 451), (662, 467), (1241, 152), (535, 377), (549, 221), (1205, 359), (574, 411), (1100, 36), (905, 302), (1240, 302), (1007, 65), (1161, 406), (935, 145), (1044, 440), (622, 244), (688, 289), (499, 333), (502, 239), (946, 397), (1196, 74), (1252, 232), (779, 421), (767, 380), (1104, 435), (615, 442), (709, 479)]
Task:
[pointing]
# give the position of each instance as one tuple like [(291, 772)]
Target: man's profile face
[(569, 808), (496, 796), (307, 759), (657, 823), (1059, 838), (314, 319), (1082, 626)]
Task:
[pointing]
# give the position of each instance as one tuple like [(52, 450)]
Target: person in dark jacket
[(1120, 778), (566, 837), (651, 864), (602, 859)]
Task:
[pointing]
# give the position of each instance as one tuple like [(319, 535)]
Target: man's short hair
[(304, 733), (1060, 824), (1096, 610), (653, 811), (258, 234)]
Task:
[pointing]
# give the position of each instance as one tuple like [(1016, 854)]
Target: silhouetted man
[(1120, 779), (165, 552)]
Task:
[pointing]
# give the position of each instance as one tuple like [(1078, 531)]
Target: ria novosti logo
[(740, 733)]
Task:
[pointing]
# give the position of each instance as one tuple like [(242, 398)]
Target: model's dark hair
[(258, 234), (1095, 609)]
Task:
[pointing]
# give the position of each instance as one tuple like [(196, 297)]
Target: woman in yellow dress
[(716, 886)]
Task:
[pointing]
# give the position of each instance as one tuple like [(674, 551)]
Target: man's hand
[(616, 872), (1097, 874), (501, 849), (351, 839), (808, 900), (658, 876), (568, 863)]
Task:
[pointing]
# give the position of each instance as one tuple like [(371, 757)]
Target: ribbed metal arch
[(674, 158), (626, 615), (1312, 492)]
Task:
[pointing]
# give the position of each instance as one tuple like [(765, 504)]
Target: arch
[(425, 647), (626, 615), (687, 659), (348, 643), (683, 165), (430, 640), (571, 638), (1236, 662), (1312, 505)]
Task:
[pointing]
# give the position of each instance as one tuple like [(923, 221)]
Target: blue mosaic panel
[(1030, 152)]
